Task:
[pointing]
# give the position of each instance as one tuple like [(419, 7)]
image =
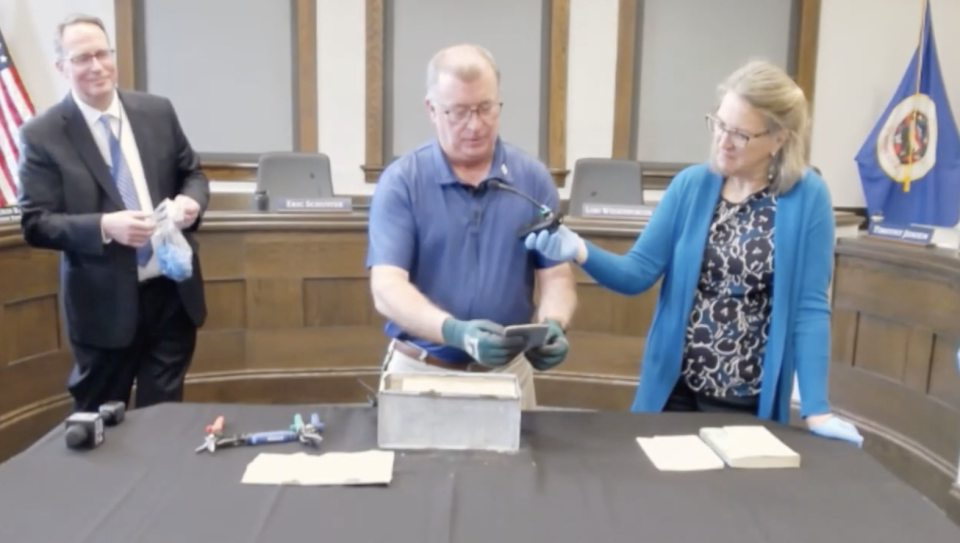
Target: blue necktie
[(123, 179)]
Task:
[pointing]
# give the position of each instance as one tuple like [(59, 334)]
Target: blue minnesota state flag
[(910, 164)]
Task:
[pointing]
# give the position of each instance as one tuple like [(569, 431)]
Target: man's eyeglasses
[(739, 138), (486, 111), (86, 59)]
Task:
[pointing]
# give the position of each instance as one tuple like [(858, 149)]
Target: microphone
[(113, 413), (548, 220), (84, 431)]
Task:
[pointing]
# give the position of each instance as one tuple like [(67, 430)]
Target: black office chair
[(605, 181), (294, 175)]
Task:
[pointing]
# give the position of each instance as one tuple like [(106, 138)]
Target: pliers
[(214, 432), (308, 434)]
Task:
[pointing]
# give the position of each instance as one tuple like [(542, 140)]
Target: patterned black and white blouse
[(727, 330)]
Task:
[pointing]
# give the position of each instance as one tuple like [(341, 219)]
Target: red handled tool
[(214, 431)]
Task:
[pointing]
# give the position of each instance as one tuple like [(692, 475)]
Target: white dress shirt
[(120, 125)]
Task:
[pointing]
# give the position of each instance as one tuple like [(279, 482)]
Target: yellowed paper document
[(679, 453), (750, 447), (372, 467)]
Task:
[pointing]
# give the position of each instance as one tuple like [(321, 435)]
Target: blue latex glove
[(174, 262), (483, 340), (559, 246), (553, 350), (837, 428)]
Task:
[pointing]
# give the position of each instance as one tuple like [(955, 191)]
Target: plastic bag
[(173, 252)]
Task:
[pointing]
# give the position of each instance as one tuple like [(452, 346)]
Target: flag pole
[(916, 91)]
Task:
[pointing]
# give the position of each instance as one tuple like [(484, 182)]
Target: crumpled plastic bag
[(173, 252)]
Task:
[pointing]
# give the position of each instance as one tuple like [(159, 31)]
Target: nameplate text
[(617, 211), (9, 213), (918, 235), (316, 205)]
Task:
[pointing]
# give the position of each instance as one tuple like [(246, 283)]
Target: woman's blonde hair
[(769, 89)]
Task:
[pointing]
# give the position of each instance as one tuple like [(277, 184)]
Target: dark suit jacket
[(65, 189)]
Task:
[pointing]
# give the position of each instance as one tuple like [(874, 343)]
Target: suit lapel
[(79, 133), (138, 121)]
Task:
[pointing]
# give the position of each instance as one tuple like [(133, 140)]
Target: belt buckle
[(422, 357)]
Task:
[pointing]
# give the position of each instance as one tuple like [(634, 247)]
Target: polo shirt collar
[(498, 167)]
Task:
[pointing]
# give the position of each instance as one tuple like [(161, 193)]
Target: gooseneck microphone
[(549, 220)]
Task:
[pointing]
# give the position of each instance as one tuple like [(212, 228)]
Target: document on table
[(750, 447), (680, 453), (371, 467)]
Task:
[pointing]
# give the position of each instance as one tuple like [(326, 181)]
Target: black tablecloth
[(579, 477)]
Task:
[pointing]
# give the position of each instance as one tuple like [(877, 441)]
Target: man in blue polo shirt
[(447, 268)]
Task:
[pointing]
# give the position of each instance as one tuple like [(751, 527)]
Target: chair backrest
[(605, 181), (294, 175)]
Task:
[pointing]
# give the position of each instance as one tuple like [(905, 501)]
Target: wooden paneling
[(34, 357), (557, 91), (624, 94), (124, 23), (806, 47), (229, 171), (305, 113), (291, 320), (895, 338), (374, 160)]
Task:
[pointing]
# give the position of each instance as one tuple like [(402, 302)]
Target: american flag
[(15, 109)]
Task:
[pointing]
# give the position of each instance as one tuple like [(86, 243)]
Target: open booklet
[(735, 446)]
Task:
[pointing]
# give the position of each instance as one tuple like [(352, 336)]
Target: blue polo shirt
[(460, 244)]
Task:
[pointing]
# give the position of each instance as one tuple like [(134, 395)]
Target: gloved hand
[(559, 246), (483, 340), (836, 428), (553, 350)]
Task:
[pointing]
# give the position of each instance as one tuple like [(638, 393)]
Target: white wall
[(870, 35), (341, 90), (29, 28), (341, 58), (863, 52), (591, 81)]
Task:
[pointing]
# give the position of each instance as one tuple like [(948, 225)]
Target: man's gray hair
[(466, 62), (75, 19)]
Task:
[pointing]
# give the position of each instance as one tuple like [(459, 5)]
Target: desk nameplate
[(316, 205), (616, 211), (902, 233)]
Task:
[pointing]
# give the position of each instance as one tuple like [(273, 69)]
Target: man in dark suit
[(92, 169)]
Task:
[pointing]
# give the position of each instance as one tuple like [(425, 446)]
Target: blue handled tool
[(277, 436)]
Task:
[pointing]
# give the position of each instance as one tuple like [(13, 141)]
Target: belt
[(419, 354)]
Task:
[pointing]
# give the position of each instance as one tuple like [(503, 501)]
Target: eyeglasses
[(739, 138), (486, 112), (86, 59)]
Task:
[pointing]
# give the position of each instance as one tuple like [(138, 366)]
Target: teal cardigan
[(671, 246)]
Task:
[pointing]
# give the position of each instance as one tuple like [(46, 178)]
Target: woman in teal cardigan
[(744, 247)]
